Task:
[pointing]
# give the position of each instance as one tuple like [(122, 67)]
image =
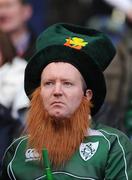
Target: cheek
[(12, 13), (45, 98), (15, 15), (75, 101)]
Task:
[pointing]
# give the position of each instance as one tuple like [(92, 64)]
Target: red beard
[(60, 137)]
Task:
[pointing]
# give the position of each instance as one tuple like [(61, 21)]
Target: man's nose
[(57, 89)]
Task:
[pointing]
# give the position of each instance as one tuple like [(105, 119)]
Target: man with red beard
[(65, 82)]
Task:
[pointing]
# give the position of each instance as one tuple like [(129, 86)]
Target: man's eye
[(68, 84), (49, 83)]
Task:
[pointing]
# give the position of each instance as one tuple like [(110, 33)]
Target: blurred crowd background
[(21, 21)]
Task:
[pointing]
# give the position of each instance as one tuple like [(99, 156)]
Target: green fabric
[(112, 160), (98, 47), (90, 51)]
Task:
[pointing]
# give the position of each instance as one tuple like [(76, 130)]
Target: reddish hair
[(61, 137)]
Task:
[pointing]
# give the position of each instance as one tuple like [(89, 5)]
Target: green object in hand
[(47, 164)]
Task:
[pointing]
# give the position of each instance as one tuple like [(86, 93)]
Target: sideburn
[(60, 137)]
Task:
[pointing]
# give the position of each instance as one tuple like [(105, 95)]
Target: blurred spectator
[(124, 6), (13, 101), (14, 17), (79, 11), (118, 105)]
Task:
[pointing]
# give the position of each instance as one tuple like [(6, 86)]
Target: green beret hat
[(90, 51)]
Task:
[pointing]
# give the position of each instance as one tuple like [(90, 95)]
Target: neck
[(20, 39), (18, 34)]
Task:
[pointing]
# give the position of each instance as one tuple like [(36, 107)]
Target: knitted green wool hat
[(90, 51)]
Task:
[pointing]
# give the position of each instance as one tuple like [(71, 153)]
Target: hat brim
[(92, 75)]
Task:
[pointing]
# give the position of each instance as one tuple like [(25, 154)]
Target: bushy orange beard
[(60, 137)]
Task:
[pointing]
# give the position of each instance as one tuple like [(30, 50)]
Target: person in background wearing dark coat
[(13, 101)]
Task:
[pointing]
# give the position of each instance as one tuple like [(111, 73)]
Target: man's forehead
[(61, 68)]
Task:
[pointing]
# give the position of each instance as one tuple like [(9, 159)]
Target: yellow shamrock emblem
[(75, 42)]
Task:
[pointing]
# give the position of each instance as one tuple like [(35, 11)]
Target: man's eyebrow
[(47, 79)]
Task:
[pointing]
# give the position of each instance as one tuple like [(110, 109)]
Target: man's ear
[(89, 94)]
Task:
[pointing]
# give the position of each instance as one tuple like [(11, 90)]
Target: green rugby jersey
[(106, 153)]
